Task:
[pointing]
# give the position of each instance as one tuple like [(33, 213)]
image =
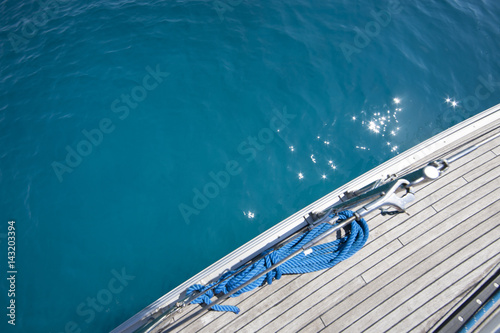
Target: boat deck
[(412, 271)]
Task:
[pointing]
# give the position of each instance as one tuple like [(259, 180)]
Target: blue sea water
[(140, 141)]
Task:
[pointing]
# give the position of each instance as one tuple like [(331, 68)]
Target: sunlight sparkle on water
[(250, 214), (452, 102), (382, 121), (373, 127)]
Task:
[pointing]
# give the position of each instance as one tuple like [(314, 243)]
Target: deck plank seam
[(400, 242), (362, 277), (324, 325)]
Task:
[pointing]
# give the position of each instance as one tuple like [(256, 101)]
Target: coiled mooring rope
[(323, 256)]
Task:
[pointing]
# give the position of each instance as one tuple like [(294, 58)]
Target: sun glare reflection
[(249, 214), (451, 102), (381, 123)]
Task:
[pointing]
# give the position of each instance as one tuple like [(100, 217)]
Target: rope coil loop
[(322, 257)]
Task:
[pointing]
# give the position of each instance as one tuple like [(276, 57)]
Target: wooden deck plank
[(461, 278), (257, 304), (305, 278), (469, 198), (433, 305), (246, 304), (481, 169), (382, 316), (312, 288), (426, 325), (244, 301), (364, 292), (395, 278), (420, 250), (347, 282), (276, 324), (484, 178), (263, 309)]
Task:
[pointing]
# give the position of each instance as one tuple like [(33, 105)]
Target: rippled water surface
[(140, 141)]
